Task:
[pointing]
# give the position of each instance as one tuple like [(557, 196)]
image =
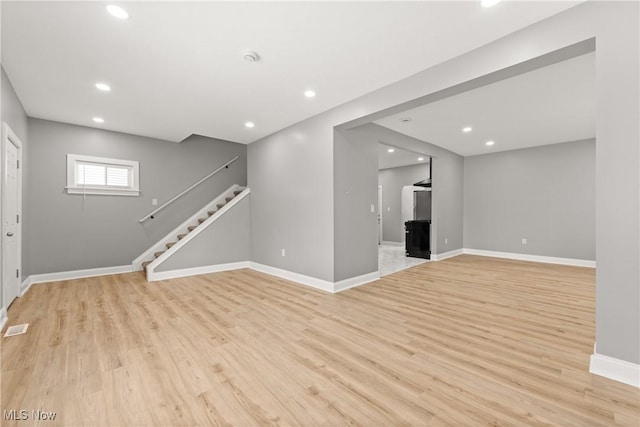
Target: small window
[(96, 175)]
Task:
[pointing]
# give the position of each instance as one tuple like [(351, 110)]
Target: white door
[(11, 206)]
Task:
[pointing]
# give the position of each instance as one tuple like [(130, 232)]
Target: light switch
[(373, 208), (154, 202)]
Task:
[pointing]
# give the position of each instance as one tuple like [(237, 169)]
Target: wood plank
[(465, 341)]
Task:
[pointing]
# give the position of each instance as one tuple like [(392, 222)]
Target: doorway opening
[(404, 197)]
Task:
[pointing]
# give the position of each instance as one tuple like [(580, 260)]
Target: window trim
[(73, 187)]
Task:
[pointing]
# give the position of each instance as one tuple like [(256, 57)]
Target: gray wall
[(392, 180), (290, 176), (544, 194), (614, 25), (69, 232), (355, 183), (224, 241), (13, 113), (618, 180)]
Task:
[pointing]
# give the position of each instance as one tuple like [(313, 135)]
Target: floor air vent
[(16, 330)]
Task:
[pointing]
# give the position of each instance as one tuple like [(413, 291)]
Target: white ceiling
[(399, 157), (176, 68), (546, 106)]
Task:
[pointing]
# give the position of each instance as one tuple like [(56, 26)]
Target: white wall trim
[(387, 243), (323, 285), (3, 317), (76, 274), (615, 369), (445, 255), (26, 285), (533, 258), (194, 271), (352, 282)]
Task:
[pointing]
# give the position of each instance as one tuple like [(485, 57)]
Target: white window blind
[(93, 175)]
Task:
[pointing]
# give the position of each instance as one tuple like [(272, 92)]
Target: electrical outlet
[(446, 240), (154, 202), (524, 240), (388, 208), (283, 253)]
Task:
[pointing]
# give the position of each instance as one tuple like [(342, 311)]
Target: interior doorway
[(400, 170)]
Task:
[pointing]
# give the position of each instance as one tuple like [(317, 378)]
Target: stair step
[(211, 212), (191, 227), (181, 236), (144, 264), (237, 192), (220, 205), (168, 245), (228, 199), (157, 254), (201, 220)]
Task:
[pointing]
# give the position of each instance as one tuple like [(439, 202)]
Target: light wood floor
[(465, 341)]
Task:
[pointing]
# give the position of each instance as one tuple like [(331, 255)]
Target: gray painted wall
[(13, 113), (225, 241), (392, 180), (301, 158), (355, 182), (544, 194), (290, 176), (69, 232), (618, 180)]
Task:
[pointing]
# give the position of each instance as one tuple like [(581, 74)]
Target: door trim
[(9, 137)]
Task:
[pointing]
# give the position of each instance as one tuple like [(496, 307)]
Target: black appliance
[(418, 238)]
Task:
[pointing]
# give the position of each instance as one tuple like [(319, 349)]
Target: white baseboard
[(324, 285), (445, 255), (194, 271), (533, 258), (3, 317), (392, 243), (615, 369), (76, 274), (352, 282), (25, 286)]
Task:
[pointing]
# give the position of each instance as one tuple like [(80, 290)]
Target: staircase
[(182, 234)]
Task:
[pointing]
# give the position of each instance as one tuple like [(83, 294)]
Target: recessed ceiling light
[(249, 124), (420, 159), (117, 11), (390, 150), (309, 93), (250, 56), (489, 3), (489, 143), (103, 87), (405, 119), (467, 129), (98, 119)]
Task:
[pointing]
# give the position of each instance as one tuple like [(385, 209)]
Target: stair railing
[(176, 197)]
